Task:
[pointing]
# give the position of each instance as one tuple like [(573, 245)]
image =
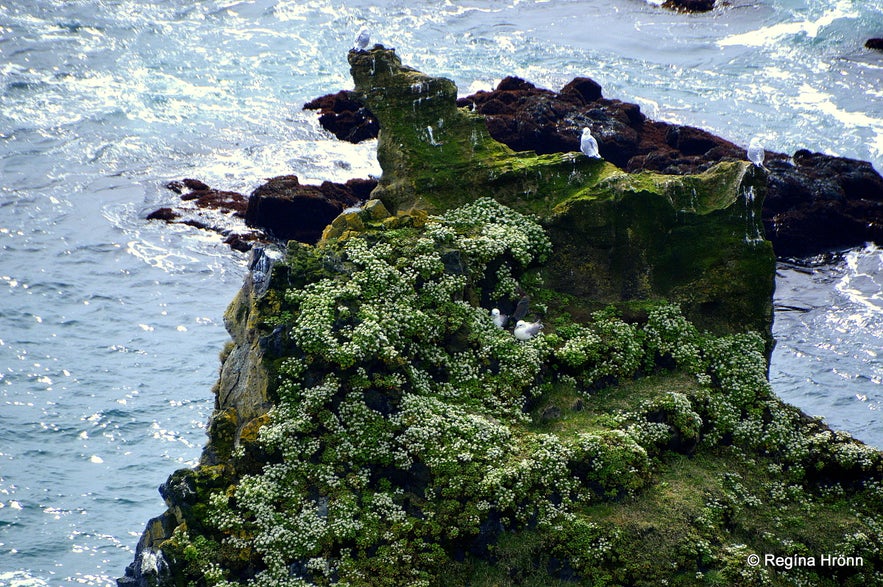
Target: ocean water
[(110, 325)]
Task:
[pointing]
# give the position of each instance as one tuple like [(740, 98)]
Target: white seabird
[(588, 145), (362, 40), (756, 152), (498, 318), (527, 330)]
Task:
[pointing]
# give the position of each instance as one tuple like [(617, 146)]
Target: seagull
[(527, 330), (498, 318), (588, 145), (756, 152), (362, 40)]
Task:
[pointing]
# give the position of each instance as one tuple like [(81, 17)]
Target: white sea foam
[(769, 35)]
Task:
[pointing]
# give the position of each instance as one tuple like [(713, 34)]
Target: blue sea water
[(110, 325)]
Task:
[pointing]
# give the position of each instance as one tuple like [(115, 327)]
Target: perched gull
[(756, 152), (527, 330), (588, 145), (498, 318), (362, 40)]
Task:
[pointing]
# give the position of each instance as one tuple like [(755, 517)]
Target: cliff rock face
[(375, 426), (619, 237), (241, 404)]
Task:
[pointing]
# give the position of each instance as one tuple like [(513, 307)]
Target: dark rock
[(241, 242), (813, 205), (166, 214), (689, 5), (586, 88), (818, 203), (361, 187), (343, 115), (875, 43), (150, 567), (288, 210), (195, 184), (281, 208), (527, 118)]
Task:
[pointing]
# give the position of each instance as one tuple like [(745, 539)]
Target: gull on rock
[(362, 40), (588, 145), (527, 330), (498, 318), (756, 152)]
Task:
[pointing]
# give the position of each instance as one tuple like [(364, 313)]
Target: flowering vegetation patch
[(414, 442)]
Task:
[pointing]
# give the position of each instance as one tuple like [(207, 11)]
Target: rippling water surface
[(110, 326)]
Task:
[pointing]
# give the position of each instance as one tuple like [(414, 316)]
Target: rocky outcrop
[(701, 246), (281, 209), (345, 116), (819, 203), (814, 204), (374, 426), (289, 210), (689, 5), (206, 208)]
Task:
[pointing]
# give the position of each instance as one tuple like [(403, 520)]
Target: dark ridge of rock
[(527, 118), (205, 197), (361, 187), (209, 209), (281, 209), (874, 43), (165, 214), (289, 210), (689, 5), (343, 115), (814, 204)]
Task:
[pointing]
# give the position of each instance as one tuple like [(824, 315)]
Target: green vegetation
[(412, 442), (374, 427), (619, 238)]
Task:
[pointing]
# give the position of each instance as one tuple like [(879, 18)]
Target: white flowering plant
[(403, 432)]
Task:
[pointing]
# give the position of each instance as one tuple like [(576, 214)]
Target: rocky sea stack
[(373, 426)]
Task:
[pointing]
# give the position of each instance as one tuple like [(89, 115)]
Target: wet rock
[(165, 214), (289, 210), (525, 117), (343, 115), (205, 208), (814, 203), (818, 203), (281, 209), (689, 5)]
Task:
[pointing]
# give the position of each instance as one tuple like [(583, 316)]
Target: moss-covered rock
[(619, 238), (412, 441), (375, 427)]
